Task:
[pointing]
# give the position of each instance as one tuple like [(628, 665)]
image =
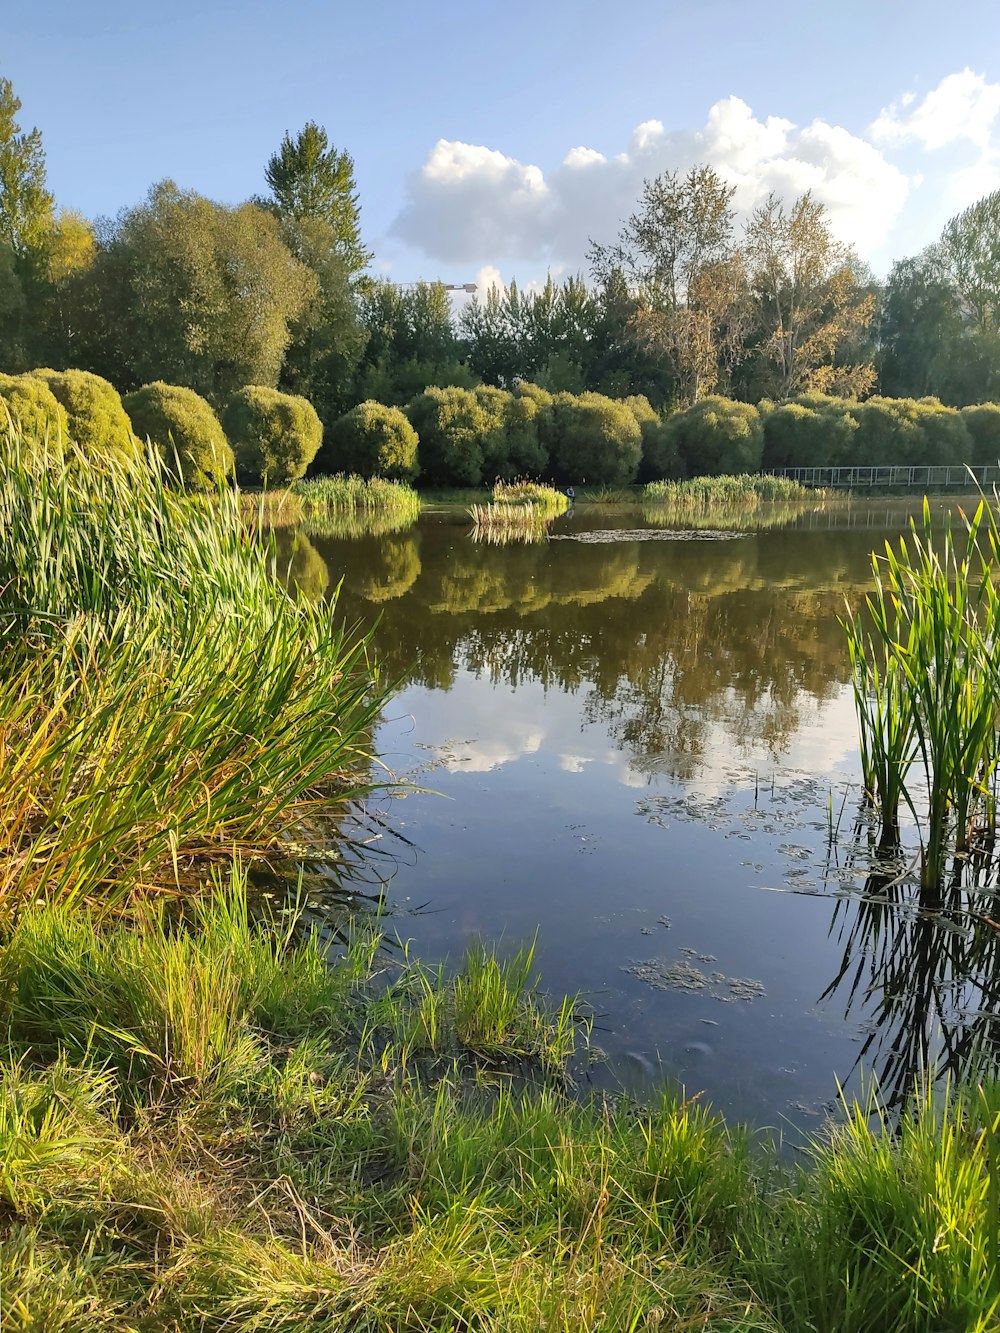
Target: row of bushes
[(262, 435), (463, 437), (718, 435)]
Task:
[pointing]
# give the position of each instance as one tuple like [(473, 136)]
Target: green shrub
[(511, 447), (186, 431), (817, 433), (983, 424), (371, 440), (29, 403), (909, 432), (595, 440), (98, 422), (659, 451), (275, 436), (452, 428), (717, 436)]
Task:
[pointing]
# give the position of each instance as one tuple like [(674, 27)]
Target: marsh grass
[(322, 496), (927, 687), (214, 1122), (705, 497), (519, 511), (162, 698)]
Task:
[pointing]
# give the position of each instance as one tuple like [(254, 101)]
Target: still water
[(640, 750)]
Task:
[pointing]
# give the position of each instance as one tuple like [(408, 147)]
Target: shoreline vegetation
[(215, 1116)]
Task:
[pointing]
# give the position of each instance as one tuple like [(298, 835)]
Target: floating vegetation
[(683, 975), (645, 535)]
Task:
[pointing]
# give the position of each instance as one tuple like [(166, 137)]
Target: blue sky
[(495, 138)]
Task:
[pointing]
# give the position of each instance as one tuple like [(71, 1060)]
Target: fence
[(926, 477)]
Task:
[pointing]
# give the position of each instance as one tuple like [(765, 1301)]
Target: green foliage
[(909, 431), (310, 180), (983, 424), (186, 431), (716, 436), (25, 202), (411, 344), (97, 420), (373, 441), (274, 436), (29, 403), (452, 428), (191, 292), (812, 431), (162, 697), (595, 440), (659, 452)]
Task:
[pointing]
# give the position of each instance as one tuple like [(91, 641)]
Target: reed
[(520, 494), (705, 496), (162, 698), (926, 685), (323, 496), (504, 523)]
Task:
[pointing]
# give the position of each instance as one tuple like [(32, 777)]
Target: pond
[(639, 750)]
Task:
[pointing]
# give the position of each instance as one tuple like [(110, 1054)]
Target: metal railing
[(922, 477)]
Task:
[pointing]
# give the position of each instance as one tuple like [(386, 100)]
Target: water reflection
[(547, 682), (923, 969)]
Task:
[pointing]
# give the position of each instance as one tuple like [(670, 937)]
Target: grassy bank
[(217, 1126)]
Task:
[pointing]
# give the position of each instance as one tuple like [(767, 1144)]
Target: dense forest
[(688, 306)]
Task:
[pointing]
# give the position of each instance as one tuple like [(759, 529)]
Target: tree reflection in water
[(666, 643)]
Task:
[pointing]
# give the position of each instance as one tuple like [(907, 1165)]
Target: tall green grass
[(214, 1124), (162, 698), (706, 496), (927, 685), (324, 495)]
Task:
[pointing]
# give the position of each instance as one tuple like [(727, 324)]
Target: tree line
[(684, 305)]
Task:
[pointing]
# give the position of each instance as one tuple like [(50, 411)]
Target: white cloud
[(962, 106), (963, 111), (473, 204)]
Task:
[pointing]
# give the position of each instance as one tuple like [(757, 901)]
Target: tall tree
[(676, 255), (971, 246), (310, 180), (25, 202), (191, 292), (25, 224), (809, 301), (412, 342)]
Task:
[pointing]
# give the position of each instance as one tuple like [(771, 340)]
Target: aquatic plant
[(162, 698), (503, 523), (322, 496), (926, 685), (705, 494)]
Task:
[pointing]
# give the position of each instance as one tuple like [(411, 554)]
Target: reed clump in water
[(322, 496), (162, 698), (520, 511), (703, 497), (927, 685)]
